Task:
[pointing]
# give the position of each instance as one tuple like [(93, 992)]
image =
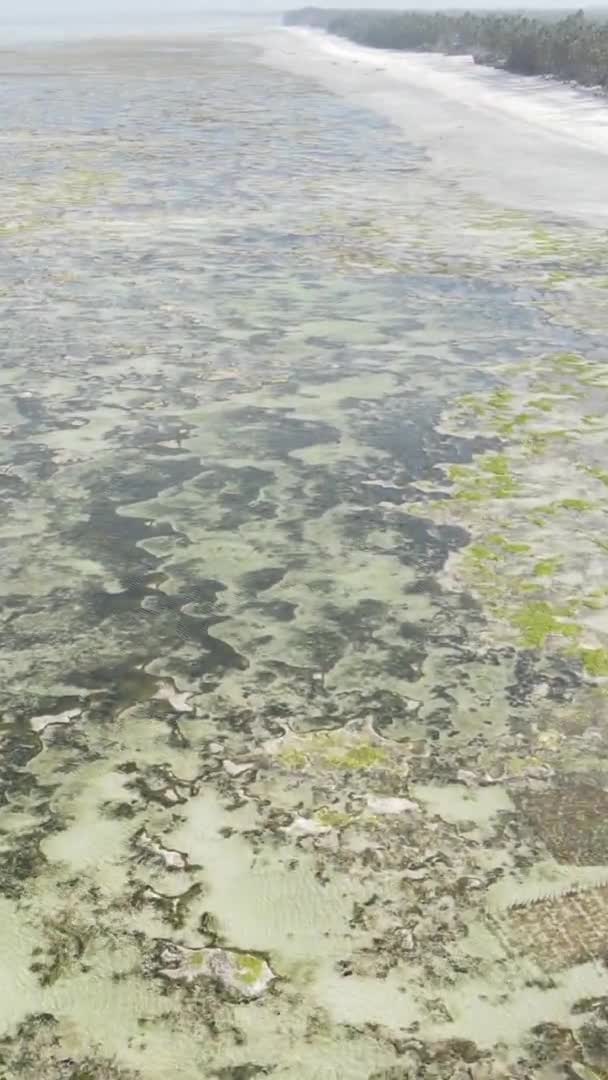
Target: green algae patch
[(569, 362), (510, 547), (250, 968), (489, 478), (504, 484), (500, 399), (293, 759), (459, 472), (599, 474), (579, 505), (481, 553), (326, 750), (537, 620), (360, 757), (547, 567), (559, 276), (537, 443), (506, 565), (546, 243), (507, 427), (498, 465), (595, 662), (549, 510), (474, 405), (333, 819)]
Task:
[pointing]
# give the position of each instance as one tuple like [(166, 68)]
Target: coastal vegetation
[(570, 48)]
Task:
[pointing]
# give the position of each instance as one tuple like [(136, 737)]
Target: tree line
[(571, 48)]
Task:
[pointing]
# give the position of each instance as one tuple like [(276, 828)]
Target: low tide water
[(304, 612)]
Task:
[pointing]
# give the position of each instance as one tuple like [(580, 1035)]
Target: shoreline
[(539, 46), (551, 140)]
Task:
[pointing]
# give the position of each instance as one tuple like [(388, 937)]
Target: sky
[(53, 8), (23, 11)]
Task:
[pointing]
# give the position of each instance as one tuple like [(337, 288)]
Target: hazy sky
[(23, 10), (52, 8)]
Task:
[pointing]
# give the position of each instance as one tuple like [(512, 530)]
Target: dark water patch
[(117, 686), (429, 544), (145, 582), (32, 626), (20, 748), (280, 610), (318, 491), (258, 511), (151, 436), (320, 586), (203, 591), (424, 585), (22, 860), (136, 482), (12, 486), (103, 605), (174, 452), (29, 705), (233, 487), (37, 459), (557, 675), (152, 623), (400, 662), (415, 632), (256, 581), (276, 432), (34, 409), (112, 537), (421, 542), (292, 531), (390, 712), (220, 655), (407, 430), (358, 623), (17, 782)]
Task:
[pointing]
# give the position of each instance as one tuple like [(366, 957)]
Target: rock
[(542, 771), (416, 875), (465, 776), (301, 826), (172, 859), (178, 701), (408, 941), (244, 976), (235, 769), (39, 723), (388, 805), (485, 1070)]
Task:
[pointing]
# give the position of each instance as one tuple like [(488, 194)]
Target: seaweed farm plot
[(304, 491)]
